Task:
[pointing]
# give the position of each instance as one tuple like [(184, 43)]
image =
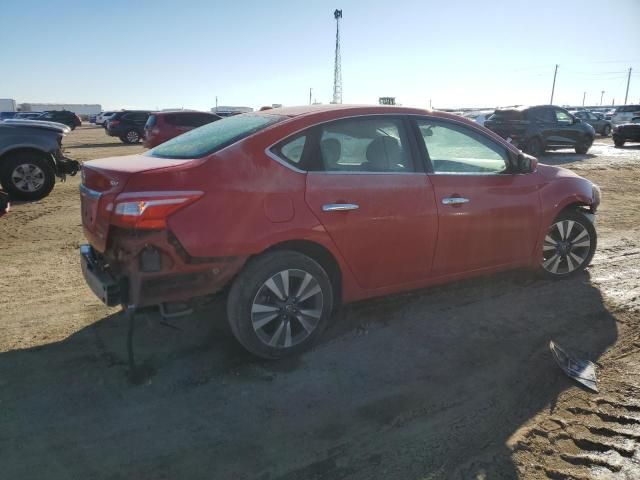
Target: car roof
[(174, 112), (344, 110)]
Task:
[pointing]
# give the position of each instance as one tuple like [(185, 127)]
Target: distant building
[(77, 108)]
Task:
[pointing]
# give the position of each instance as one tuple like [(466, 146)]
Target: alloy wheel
[(566, 247), (287, 308), (28, 177), (132, 136)]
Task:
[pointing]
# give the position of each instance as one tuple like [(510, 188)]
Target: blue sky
[(184, 53)]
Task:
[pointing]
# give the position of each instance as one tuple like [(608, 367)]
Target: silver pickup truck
[(31, 157)]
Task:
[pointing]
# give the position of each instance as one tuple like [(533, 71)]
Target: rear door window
[(364, 144)]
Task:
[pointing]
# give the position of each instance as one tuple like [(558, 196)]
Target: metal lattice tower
[(337, 70)]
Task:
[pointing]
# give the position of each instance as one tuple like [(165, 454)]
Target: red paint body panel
[(390, 239), (498, 226), (401, 237)]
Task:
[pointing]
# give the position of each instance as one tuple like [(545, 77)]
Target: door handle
[(339, 207), (454, 201)]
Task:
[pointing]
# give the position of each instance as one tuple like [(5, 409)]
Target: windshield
[(213, 136)]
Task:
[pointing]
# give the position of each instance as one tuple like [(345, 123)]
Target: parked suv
[(627, 132), (299, 209), (596, 120), (539, 128), (61, 116), (128, 125), (625, 113), (163, 126), (31, 158)]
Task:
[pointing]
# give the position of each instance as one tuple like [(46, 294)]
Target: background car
[(31, 157), (92, 117), (128, 125), (61, 116), (539, 128), (28, 115), (596, 120), (103, 117), (163, 126), (300, 209), (627, 132), (625, 113), (479, 117), (5, 115)]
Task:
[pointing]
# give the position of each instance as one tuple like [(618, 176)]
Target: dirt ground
[(450, 382)]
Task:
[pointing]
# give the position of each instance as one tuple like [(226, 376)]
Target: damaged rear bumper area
[(151, 268)]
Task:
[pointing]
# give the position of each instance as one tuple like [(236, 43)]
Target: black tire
[(584, 145), (38, 170), (132, 136), (564, 254), (606, 131), (618, 143), (248, 291), (534, 147)]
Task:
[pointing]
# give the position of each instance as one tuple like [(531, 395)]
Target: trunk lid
[(103, 180)]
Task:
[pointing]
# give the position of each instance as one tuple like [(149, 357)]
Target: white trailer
[(77, 108), (7, 105)]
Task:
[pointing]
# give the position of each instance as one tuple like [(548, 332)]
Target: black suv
[(128, 125), (539, 128), (61, 116)]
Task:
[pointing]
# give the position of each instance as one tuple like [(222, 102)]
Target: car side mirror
[(526, 163), (576, 120)]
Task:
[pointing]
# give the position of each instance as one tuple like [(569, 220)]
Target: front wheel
[(279, 304), (618, 143), (569, 245), (27, 176), (606, 131)]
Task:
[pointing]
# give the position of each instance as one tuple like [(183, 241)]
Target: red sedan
[(301, 209)]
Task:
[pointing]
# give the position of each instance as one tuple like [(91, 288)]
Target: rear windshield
[(505, 115), (151, 121), (213, 136)]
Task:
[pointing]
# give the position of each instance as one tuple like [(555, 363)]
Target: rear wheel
[(618, 143), (27, 176), (569, 245), (534, 147), (279, 304), (132, 136)]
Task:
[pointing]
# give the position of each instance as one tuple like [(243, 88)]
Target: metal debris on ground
[(582, 371)]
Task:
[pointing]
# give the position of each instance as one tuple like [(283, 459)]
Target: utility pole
[(216, 102), (553, 88), (310, 90), (583, 97), (601, 95), (627, 92)]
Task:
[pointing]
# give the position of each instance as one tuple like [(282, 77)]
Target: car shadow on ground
[(427, 384), (99, 145), (561, 157)]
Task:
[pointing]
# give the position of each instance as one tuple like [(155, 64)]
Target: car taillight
[(148, 211), (155, 130), (113, 123)]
